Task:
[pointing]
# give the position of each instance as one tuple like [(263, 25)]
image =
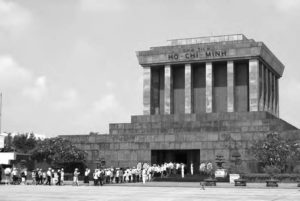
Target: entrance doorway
[(185, 156)]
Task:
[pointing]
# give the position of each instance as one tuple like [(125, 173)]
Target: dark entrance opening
[(186, 156)]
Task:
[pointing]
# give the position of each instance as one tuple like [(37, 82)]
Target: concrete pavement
[(160, 191)]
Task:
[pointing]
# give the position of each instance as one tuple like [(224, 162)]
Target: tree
[(274, 151), (8, 144), (22, 143), (58, 151)]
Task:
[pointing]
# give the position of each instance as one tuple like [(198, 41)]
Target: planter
[(272, 183), (210, 182), (240, 182)]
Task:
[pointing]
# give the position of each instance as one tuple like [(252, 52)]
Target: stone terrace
[(129, 143)]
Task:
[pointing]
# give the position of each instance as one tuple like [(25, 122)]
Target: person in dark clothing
[(59, 178), (49, 177), (100, 177)]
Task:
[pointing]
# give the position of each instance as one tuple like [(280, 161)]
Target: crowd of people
[(141, 173), (38, 176)]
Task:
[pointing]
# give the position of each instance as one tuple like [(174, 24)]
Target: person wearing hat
[(75, 178)]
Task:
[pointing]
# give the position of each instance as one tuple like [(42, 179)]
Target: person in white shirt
[(75, 177), (117, 175), (53, 176), (62, 176), (95, 177), (149, 173), (177, 168), (144, 175), (192, 169), (86, 176), (44, 180), (182, 170), (49, 176), (100, 174), (7, 172), (15, 175)]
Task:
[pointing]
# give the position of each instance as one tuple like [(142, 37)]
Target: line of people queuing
[(39, 177), (140, 173)]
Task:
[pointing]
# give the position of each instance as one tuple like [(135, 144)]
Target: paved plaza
[(152, 191)]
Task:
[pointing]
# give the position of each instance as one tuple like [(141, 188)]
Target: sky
[(70, 66)]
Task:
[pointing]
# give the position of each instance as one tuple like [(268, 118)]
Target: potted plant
[(236, 177), (272, 171), (220, 172)]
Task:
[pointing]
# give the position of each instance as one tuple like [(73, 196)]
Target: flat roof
[(206, 39)]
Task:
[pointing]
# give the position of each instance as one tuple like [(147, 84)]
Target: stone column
[(208, 93), (147, 90), (230, 86), (262, 87), (277, 97), (267, 89), (253, 84), (270, 92), (274, 95), (168, 88), (188, 89)]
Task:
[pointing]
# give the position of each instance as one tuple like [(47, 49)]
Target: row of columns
[(259, 81)]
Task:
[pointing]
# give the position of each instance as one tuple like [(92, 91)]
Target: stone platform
[(213, 133)]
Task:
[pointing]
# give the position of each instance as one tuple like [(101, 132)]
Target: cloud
[(12, 15), (15, 77), (287, 5), (70, 100), (38, 90), (107, 103), (101, 5), (102, 112), (110, 84), (12, 75)]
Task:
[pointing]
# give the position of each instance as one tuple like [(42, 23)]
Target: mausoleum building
[(210, 75), (202, 97)]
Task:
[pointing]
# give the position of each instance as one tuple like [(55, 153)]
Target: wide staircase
[(213, 122)]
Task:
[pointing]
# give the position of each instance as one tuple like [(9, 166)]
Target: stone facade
[(202, 97), (130, 143)]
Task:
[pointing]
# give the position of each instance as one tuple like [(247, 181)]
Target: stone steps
[(270, 123), (202, 117)]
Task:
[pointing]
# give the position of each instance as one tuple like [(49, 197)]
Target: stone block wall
[(130, 143)]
